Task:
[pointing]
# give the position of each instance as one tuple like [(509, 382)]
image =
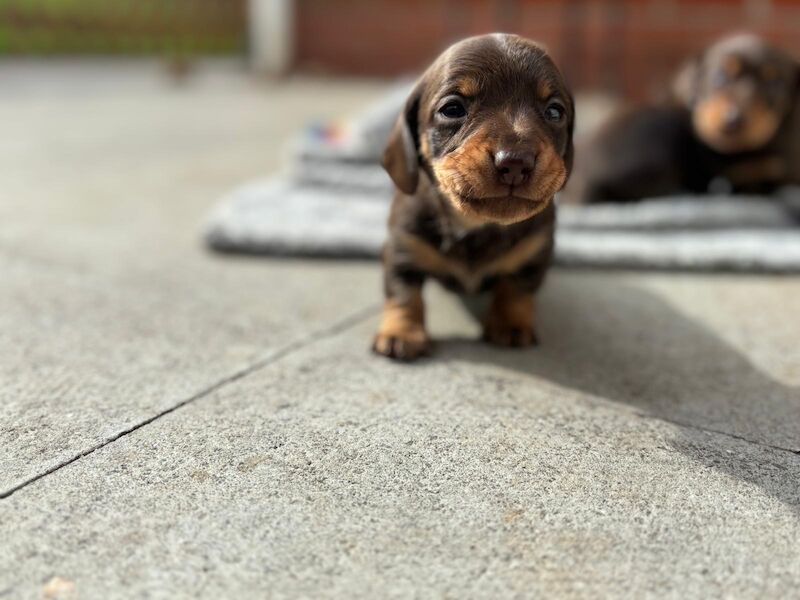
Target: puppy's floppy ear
[(401, 156), (686, 83)]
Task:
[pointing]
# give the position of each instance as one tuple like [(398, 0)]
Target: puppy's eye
[(554, 112), (453, 109)]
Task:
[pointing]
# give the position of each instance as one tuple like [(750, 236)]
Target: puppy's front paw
[(407, 345), (501, 333), (402, 334), (509, 321)]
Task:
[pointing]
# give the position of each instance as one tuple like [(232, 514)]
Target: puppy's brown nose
[(514, 168), (732, 120)]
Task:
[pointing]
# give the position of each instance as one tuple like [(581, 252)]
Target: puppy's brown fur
[(739, 91), (733, 119), (461, 215)]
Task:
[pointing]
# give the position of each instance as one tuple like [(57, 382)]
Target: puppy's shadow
[(608, 338)]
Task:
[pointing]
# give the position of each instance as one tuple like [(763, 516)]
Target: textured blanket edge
[(277, 217)]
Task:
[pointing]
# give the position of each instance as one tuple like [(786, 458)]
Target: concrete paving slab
[(85, 358), (716, 352), (333, 473), (109, 165), (110, 311), (647, 448)]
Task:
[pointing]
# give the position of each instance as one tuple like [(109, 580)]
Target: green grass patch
[(184, 27)]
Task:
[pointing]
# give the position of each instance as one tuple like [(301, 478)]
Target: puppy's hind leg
[(401, 333), (510, 318)]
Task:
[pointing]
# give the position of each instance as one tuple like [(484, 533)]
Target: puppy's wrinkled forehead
[(744, 46), (749, 55), (498, 69)]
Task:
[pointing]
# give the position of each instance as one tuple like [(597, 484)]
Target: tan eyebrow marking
[(544, 90), (468, 87), (732, 66)]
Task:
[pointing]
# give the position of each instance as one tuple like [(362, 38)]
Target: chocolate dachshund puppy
[(482, 146), (732, 125)]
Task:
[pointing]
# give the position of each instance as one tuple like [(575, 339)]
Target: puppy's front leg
[(401, 333), (510, 319)]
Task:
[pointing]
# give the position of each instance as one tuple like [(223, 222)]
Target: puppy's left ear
[(401, 156)]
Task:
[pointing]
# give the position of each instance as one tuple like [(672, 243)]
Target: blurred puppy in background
[(732, 125), (477, 155)]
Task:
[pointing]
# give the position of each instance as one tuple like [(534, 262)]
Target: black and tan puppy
[(482, 146), (733, 122), (744, 99)]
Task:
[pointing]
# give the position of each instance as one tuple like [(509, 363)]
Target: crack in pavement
[(735, 436), (331, 331), (328, 332)]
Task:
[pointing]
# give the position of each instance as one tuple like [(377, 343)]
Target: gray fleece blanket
[(334, 201)]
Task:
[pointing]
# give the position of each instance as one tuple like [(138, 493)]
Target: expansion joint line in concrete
[(734, 436), (339, 327)]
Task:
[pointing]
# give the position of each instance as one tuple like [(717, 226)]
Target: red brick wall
[(623, 45)]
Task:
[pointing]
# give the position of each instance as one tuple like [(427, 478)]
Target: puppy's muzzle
[(732, 120)]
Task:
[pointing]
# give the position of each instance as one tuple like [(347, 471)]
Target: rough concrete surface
[(174, 424), (111, 311)]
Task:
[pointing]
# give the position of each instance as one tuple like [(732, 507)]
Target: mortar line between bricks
[(304, 342)]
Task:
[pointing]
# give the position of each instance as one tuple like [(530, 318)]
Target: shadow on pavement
[(627, 345)]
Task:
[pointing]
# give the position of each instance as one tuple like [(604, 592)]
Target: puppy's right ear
[(686, 83), (401, 156)]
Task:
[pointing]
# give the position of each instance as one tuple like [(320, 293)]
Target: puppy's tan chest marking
[(431, 260)]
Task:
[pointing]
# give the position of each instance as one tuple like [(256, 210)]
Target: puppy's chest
[(472, 261), (473, 249)]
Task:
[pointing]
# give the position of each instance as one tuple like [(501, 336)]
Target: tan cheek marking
[(552, 175), (432, 261), (461, 172), (467, 170), (708, 115), (761, 124)]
